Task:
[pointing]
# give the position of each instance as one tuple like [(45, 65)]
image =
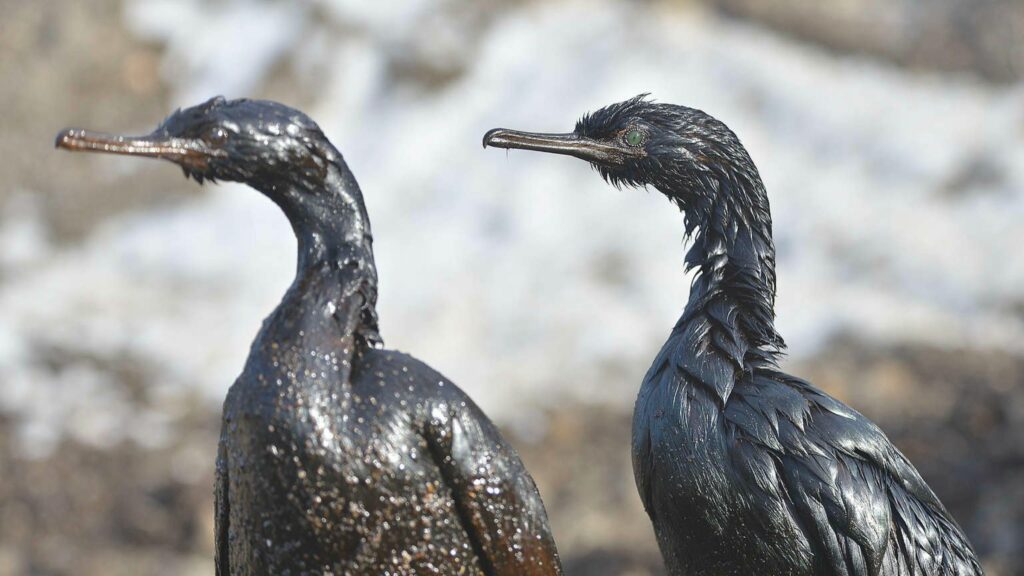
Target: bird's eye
[(634, 137), (216, 136)]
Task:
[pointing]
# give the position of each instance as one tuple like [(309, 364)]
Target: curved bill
[(179, 150), (570, 144)]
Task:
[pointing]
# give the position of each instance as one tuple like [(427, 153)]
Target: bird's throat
[(334, 242), (728, 325)]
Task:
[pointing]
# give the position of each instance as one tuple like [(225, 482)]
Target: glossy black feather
[(336, 456), (744, 469)]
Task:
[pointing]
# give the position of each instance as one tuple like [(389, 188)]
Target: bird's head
[(257, 142), (681, 151)]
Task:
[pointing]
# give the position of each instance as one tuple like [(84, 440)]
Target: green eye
[(634, 137), (216, 136)]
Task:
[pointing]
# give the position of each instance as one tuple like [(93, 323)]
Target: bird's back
[(783, 479)]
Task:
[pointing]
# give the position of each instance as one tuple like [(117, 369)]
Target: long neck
[(728, 325), (332, 229)]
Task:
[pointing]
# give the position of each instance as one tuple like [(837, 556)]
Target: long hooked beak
[(570, 144), (183, 151)]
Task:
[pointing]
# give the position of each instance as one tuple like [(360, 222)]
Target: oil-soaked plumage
[(336, 456), (744, 469)]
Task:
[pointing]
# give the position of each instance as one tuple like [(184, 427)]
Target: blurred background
[(890, 135)]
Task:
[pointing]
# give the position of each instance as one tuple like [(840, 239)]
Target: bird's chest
[(293, 389), (299, 415), (681, 459), (300, 430), (333, 478), (690, 471), (679, 452)]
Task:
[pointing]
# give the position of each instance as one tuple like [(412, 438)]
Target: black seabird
[(744, 469), (337, 456)]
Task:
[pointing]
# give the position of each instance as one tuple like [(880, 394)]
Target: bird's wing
[(221, 516), (856, 497), (497, 500)]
